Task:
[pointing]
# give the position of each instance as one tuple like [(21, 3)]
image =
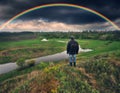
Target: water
[(4, 68)]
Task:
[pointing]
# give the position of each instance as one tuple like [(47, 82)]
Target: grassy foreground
[(96, 72)]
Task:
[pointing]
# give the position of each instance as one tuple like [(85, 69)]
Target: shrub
[(21, 62), (30, 63)]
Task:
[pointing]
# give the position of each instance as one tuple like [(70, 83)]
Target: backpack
[(73, 45)]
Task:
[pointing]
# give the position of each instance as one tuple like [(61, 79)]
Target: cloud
[(44, 25), (68, 15), (117, 21), (4, 9), (109, 8), (39, 25)]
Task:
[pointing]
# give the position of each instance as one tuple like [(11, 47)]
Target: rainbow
[(59, 4)]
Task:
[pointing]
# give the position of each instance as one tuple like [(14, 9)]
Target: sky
[(59, 18)]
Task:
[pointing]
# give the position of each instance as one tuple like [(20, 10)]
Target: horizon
[(62, 31)]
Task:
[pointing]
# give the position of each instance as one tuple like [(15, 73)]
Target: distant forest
[(16, 36)]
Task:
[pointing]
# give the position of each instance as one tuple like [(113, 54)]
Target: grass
[(12, 51), (35, 48), (98, 47), (96, 72), (53, 78), (11, 44), (26, 43), (92, 76), (105, 70)]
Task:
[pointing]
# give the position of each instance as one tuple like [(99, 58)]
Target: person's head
[(72, 38)]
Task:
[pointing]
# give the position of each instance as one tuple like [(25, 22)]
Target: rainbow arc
[(59, 4)]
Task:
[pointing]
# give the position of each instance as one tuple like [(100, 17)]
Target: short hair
[(72, 37)]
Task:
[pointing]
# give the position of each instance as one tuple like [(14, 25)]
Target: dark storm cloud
[(67, 15), (109, 8)]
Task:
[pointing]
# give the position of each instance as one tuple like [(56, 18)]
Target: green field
[(35, 48), (99, 47), (96, 72), (13, 50)]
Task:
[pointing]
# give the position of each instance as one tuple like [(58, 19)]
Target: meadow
[(13, 50), (96, 71)]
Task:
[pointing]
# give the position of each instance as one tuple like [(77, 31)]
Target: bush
[(30, 63), (5, 59), (21, 62)]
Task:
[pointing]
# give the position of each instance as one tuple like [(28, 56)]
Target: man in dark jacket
[(72, 50)]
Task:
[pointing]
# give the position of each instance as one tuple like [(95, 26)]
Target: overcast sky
[(59, 18)]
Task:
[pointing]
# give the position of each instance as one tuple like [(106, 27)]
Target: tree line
[(97, 35)]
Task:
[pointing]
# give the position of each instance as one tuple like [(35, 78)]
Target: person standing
[(72, 50)]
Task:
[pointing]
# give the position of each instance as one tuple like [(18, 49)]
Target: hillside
[(99, 74), (96, 72)]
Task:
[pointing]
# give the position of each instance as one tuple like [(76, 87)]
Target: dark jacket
[(72, 50)]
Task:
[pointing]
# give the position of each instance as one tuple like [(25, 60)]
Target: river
[(4, 68)]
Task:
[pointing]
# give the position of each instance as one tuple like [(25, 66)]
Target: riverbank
[(4, 68)]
